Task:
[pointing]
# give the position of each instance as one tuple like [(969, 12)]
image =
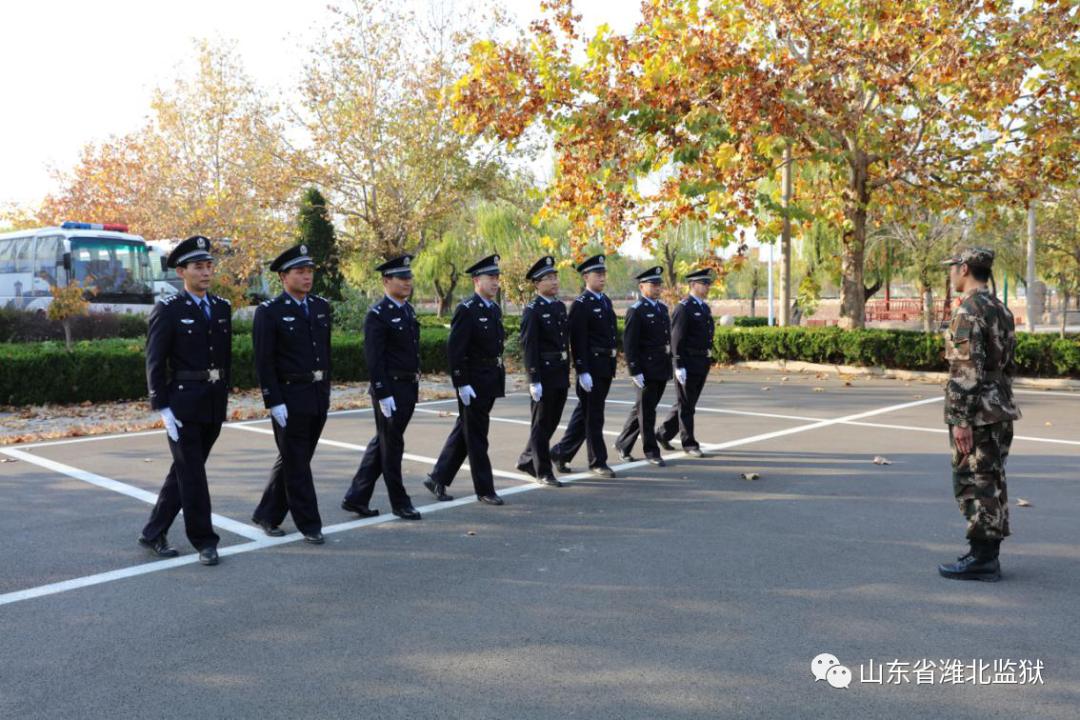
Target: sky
[(77, 72)]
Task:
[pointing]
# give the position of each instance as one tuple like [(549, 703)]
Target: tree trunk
[(1064, 311), (66, 322), (928, 308), (852, 290)]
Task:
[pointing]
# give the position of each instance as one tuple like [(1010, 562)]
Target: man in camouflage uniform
[(979, 410)]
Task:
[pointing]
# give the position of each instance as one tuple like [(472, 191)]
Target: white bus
[(112, 265)]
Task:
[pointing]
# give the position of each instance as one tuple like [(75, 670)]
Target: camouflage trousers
[(979, 481)]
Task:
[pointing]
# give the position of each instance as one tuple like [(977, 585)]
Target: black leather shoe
[(657, 461), (208, 556), (491, 499), (437, 489), (407, 513), (361, 510), (271, 530), (662, 442), (979, 564), (695, 452), (624, 456), (315, 538), (159, 546), (549, 480), (602, 471), (563, 467), (527, 469)]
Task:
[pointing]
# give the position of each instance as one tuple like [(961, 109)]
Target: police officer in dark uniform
[(474, 351), (647, 344), (592, 345), (292, 360), (392, 350), (545, 344), (692, 330), (188, 363)]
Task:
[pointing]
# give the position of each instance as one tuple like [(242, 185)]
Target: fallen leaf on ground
[(1049, 424), (878, 460), (1021, 502), (819, 389), (471, 532), (444, 413), (766, 388), (750, 476)]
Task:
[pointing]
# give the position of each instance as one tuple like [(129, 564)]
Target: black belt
[(606, 352), (403, 376), (695, 352), (486, 362), (212, 375), (310, 377), (554, 356)]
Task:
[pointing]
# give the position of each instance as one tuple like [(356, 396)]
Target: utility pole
[(1034, 300), (785, 241)]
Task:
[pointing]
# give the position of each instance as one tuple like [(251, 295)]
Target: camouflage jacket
[(980, 345)]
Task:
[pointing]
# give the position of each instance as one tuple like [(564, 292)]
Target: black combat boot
[(980, 563)]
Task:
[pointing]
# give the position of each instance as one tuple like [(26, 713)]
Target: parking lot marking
[(406, 456), (237, 528), (263, 542)]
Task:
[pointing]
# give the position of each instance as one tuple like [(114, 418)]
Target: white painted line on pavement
[(407, 456), (237, 528)]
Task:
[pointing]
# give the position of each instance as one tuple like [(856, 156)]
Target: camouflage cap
[(975, 257)]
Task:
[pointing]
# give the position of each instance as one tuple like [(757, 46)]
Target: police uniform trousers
[(469, 438), (291, 487), (185, 486), (586, 425), (545, 420), (383, 454), (642, 420), (680, 421), (979, 481)]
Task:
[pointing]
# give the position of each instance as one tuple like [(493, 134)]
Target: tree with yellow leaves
[(943, 97)]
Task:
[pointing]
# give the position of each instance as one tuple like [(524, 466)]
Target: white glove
[(537, 391), (466, 393), (586, 381), (680, 375), (171, 424), (639, 380), (388, 406), (280, 414)]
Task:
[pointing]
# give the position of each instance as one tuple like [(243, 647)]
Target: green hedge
[(104, 370), (1036, 355)]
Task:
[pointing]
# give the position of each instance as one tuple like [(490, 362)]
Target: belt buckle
[(213, 374), (317, 375)]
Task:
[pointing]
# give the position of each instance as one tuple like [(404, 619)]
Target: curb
[(895, 374)]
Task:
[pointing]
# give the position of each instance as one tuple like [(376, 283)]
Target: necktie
[(206, 308), (307, 315)]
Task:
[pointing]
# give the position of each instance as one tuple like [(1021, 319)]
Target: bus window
[(23, 254), (7, 255), (48, 253), (112, 267)]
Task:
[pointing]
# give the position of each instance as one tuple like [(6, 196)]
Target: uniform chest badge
[(187, 321), (395, 320), (484, 319), (288, 318)]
